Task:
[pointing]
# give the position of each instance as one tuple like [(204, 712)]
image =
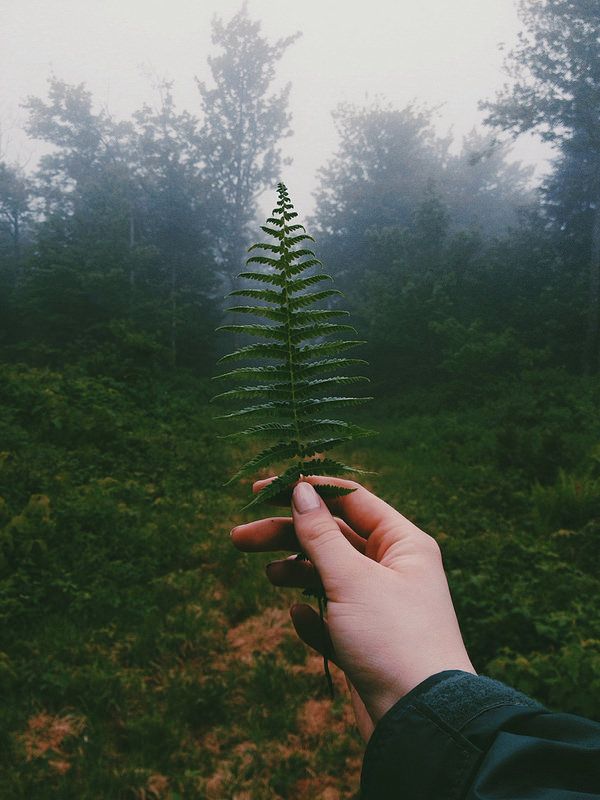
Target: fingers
[(293, 572), (312, 630), (262, 535), (277, 533), (362, 510), (322, 540)]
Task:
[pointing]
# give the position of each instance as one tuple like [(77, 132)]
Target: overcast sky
[(441, 52)]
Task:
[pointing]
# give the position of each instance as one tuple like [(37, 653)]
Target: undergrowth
[(142, 656)]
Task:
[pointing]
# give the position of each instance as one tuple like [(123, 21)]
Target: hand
[(390, 618)]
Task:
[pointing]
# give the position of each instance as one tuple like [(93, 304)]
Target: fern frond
[(304, 353), (269, 262), (265, 371), (272, 232), (256, 351), (265, 331), (278, 452), (249, 392), (309, 387), (303, 283), (309, 299), (327, 365), (273, 248), (306, 407), (307, 332), (319, 426), (290, 388), (267, 428), (275, 407), (259, 294), (301, 253), (261, 311), (264, 277)]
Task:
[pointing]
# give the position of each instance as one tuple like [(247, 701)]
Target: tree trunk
[(593, 331)]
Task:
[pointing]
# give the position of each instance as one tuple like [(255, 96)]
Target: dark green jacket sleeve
[(459, 736)]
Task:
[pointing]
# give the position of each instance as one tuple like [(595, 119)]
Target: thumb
[(320, 535)]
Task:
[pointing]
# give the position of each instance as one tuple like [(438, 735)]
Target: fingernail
[(305, 498), (232, 531)]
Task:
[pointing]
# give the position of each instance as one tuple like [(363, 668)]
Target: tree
[(483, 189), (387, 161), (15, 213), (555, 91), (173, 216), (242, 127), (82, 268)]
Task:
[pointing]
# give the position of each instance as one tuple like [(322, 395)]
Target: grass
[(143, 657)]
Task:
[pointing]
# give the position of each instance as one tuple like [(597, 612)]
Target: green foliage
[(296, 392), (123, 603), (554, 82), (243, 123)]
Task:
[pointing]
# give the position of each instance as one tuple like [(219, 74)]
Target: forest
[(141, 655)]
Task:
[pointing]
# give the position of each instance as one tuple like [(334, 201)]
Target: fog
[(439, 53)]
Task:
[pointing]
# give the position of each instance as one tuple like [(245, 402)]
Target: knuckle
[(429, 546)]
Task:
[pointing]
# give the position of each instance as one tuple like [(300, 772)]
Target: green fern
[(295, 389)]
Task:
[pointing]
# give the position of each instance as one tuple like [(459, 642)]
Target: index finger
[(362, 509)]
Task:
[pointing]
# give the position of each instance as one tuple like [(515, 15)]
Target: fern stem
[(322, 603), (290, 345)]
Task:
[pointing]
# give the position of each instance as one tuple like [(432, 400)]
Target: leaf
[(300, 254), (327, 466), (305, 407), (275, 407), (294, 240), (256, 351), (272, 248), (307, 332), (302, 283), (324, 383), (272, 232), (275, 453), (268, 428), (279, 490), (259, 294), (290, 407), (317, 315), (329, 491), (276, 280), (261, 311), (304, 353), (296, 269), (320, 426), (327, 365), (247, 392), (278, 486), (308, 299), (271, 262), (320, 445), (266, 331), (267, 370)]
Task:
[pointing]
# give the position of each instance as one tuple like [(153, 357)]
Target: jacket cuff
[(417, 749)]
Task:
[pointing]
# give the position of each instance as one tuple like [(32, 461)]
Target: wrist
[(388, 693)]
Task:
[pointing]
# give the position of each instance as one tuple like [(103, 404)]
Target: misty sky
[(441, 52)]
